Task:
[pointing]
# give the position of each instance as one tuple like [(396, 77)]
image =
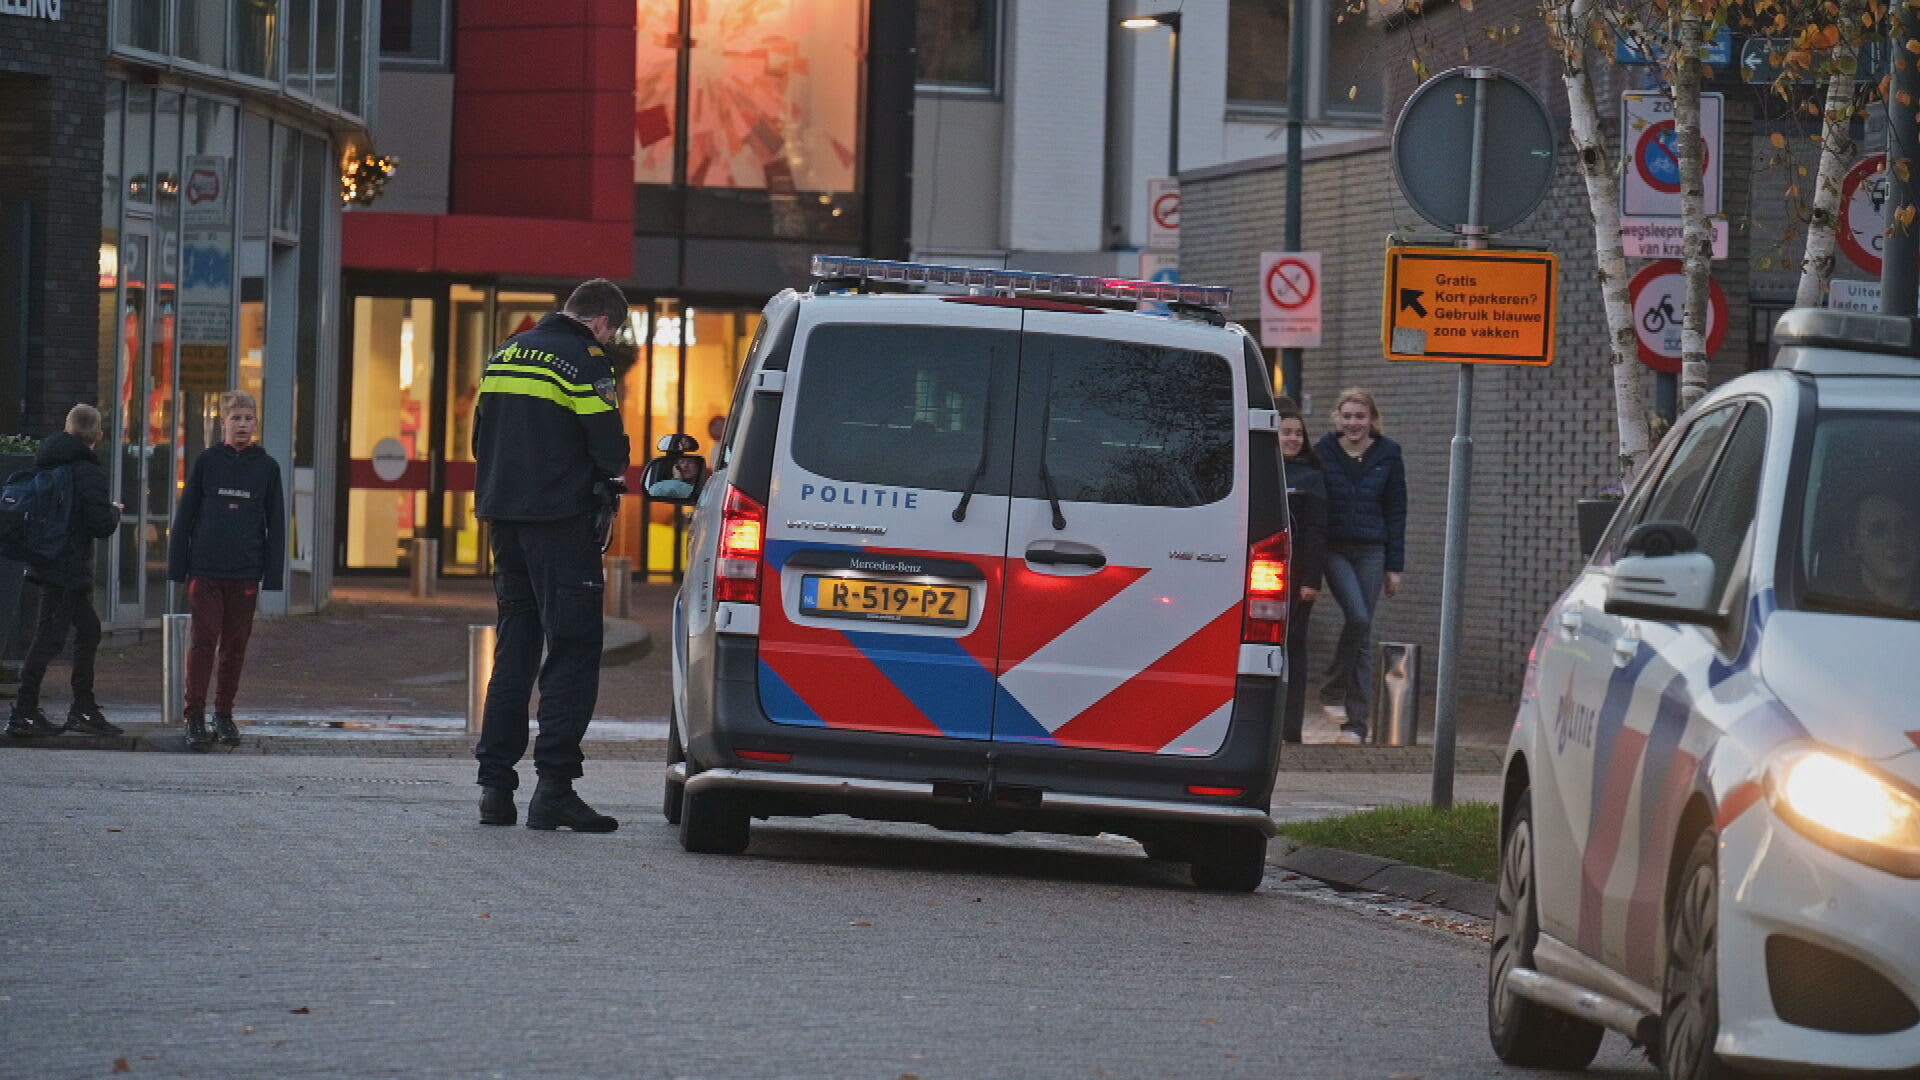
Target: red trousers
[(222, 621)]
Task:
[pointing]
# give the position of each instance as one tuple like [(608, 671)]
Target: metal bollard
[(424, 571), (619, 596), (480, 641), (1396, 694), (175, 630)]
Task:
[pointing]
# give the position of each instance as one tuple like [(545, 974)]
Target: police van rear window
[(902, 406), (1134, 424)]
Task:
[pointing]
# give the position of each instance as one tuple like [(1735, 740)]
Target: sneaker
[(225, 729), (31, 723), (89, 720), (198, 737), (1350, 737)]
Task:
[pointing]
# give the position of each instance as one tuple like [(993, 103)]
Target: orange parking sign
[(1474, 307)]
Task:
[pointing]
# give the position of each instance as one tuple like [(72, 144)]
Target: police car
[(996, 558), (1711, 821)]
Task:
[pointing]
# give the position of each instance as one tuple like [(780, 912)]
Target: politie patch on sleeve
[(608, 391)]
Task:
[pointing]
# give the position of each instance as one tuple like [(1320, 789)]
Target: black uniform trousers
[(61, 609), (548, 585)]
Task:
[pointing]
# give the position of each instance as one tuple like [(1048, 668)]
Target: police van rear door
[(1127, 542), (887, 518)]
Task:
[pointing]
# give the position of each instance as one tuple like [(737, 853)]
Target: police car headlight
[(1850, 808)]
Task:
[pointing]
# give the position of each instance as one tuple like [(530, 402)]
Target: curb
[(1351, 870)]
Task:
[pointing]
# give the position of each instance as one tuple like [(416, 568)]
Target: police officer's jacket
[(546, 425)]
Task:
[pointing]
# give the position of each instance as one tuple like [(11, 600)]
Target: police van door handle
[(1570, 616), (1050, 557)]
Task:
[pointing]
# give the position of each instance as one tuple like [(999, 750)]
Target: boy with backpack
[(52, 516), (229, 542)]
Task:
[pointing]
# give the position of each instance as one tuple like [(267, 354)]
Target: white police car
[(990, 561), (1711, 822)]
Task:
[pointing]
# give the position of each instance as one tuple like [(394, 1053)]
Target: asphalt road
[(226, 916)]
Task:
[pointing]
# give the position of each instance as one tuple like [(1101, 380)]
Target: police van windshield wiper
[(980, 470)]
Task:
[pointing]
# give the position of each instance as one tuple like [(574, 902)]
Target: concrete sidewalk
[(382, 674)]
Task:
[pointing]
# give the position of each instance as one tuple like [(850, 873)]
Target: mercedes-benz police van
[(993, 559)]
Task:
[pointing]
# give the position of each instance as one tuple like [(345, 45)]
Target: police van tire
[(670, 801), (1229, 860), (1522, 1032), (714, 823)]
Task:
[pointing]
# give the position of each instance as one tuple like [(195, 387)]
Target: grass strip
[(1464, 840)]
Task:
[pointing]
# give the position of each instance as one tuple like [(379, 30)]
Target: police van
[(979, 552)]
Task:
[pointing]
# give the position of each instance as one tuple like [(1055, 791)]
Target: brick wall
[(1542, 437), (52, 82)]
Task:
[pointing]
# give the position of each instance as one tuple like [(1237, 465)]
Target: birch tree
[(1569, 22), (1689, 22)]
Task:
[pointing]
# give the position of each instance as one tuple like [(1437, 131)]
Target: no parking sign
[(1650, 184)]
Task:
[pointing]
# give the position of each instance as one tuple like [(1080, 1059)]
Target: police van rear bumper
[(803, 787), (978, 783)]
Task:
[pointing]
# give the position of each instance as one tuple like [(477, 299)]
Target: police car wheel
[(1690, 998), (1522, 1032), (714, 823), (1230, 860), (675, 789)]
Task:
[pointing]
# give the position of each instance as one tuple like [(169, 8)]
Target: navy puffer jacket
[(1366, 499)]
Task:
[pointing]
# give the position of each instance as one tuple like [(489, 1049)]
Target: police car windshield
[(1860, 516)]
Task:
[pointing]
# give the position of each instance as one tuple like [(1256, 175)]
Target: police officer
[(546, 431)]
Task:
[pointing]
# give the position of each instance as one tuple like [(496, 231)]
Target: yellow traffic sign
[(1473, 307)]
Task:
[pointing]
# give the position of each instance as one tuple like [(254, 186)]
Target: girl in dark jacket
[(1307, 510), (1366, 545)]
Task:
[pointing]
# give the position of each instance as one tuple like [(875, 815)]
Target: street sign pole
[(1898, 275), (1292, 361), (1473, 236)]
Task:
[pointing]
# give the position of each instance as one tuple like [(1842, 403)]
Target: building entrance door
[(389, 438)]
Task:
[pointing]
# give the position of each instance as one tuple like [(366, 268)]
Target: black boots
[(225, 729), (30, 723), (89, 720), (496, 806), (555, 804), (198, 737)]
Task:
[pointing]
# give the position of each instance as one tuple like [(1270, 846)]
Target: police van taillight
[(1268, 573), (743, 532)]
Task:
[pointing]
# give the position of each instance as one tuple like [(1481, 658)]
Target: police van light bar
[(1020, 281)]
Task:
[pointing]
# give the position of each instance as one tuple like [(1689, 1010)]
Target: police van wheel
[(714, 822), (1230, 860), (1522, 1032), (675, 789)]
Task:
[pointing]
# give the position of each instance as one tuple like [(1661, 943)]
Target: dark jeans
[(61, 609), (1294, 719), (547, 583), (1354, 577), (222, 623)]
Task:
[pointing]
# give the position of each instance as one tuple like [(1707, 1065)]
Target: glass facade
[(219, 266)]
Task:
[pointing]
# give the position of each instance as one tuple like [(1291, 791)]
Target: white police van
[(998, 559), (1711, 820)]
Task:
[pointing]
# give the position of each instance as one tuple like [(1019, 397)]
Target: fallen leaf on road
[(115, 828), (120, 1065), (484, 915), (1209, 1020), (860, 923), (301, 1011)]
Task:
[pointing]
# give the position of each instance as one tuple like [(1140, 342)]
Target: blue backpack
[(36, 514)]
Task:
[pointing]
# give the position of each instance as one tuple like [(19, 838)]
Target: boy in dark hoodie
[(229, 542), (65, 585)]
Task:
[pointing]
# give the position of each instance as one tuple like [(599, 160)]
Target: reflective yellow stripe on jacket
[(540, 382)]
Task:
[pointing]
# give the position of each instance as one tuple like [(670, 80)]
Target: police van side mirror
[(676, 478)]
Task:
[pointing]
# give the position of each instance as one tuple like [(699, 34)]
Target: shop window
[(1351, 82), (413, 32), (286, 187), (387, 443), (326, 51), (200, 31), (138, 164), (957, 45), (353, 44)]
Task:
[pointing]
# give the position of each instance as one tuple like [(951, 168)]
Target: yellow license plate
[(888, 601)]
